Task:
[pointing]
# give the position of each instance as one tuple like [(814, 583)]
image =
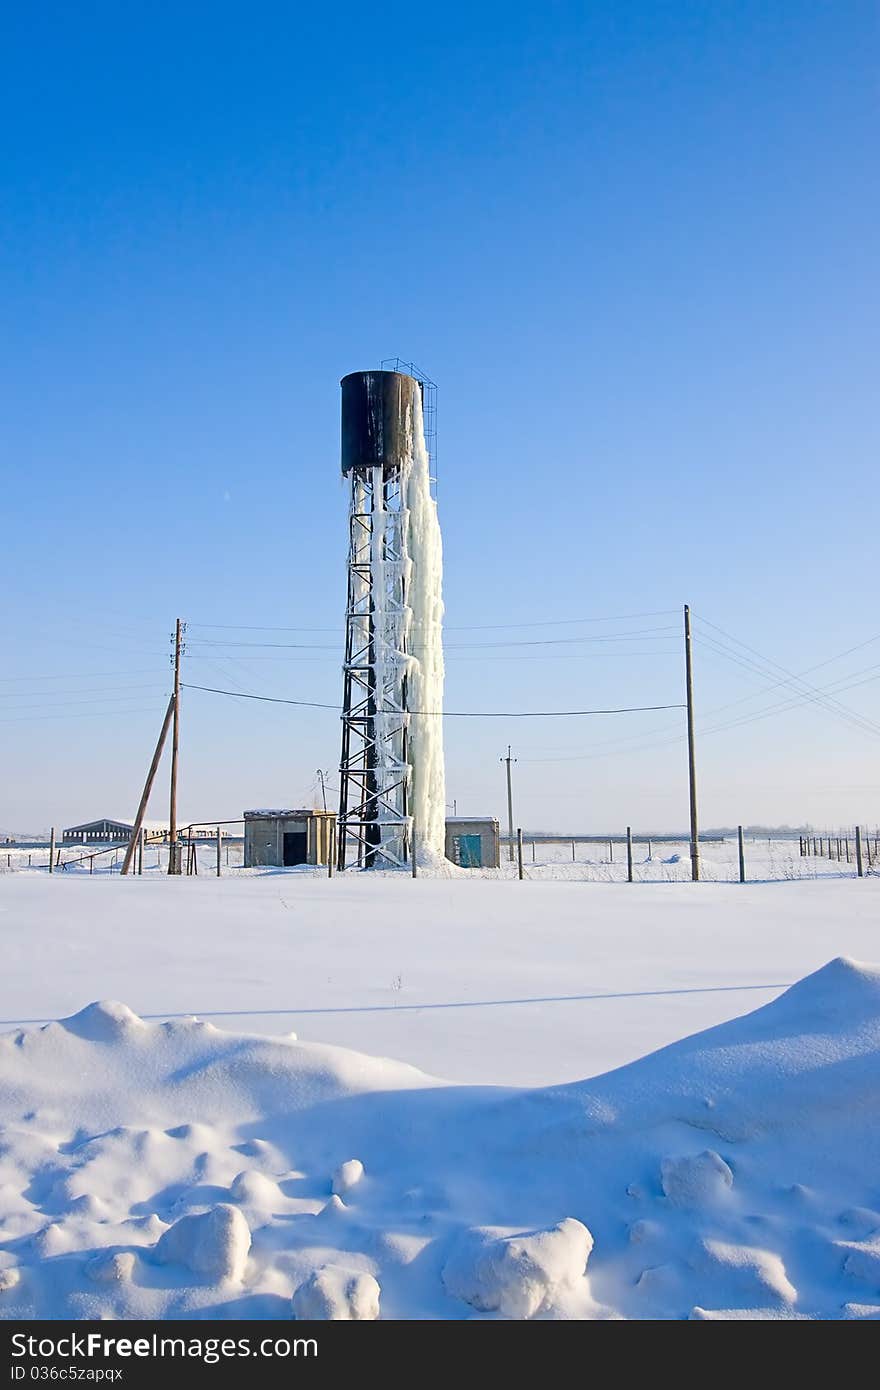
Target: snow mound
[(105, 1021), (347, 1176), (863, 1262), (153, 1170), (692, 1181), (111, 1267), (517, 1275), (215, 1243), (253, 1189), (752, 1273), (335, 1294)]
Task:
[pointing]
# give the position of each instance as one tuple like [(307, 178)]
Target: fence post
[(519, 861), (610, 851), (533, 851), (629, 854), (859, 868), (572, 851), (52, 850), (742, 854), (650, 854), (331, 847), (218, 851), (413, 846)]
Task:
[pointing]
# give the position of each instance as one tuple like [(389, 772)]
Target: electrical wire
[(791, 677), (807, 692), (80, 675), (63, 694), (450, 646), (92, 714), (443, 714), (471, 627)]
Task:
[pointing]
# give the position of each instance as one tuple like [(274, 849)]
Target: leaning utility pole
[(145, 795), (173, 859), (692, 766), (509, 760)]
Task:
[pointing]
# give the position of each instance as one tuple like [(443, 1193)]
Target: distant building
[(112, 831), (283, 839), (98, 832), (472, 842)]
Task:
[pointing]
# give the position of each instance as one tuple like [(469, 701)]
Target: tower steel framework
[(374, 825)]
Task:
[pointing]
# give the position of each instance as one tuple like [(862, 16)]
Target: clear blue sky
[(636, 245)]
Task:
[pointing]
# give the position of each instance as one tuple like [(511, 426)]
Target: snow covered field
[(470, 979), (203, 1168)]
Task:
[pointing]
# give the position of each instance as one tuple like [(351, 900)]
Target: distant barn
[(98, 832)]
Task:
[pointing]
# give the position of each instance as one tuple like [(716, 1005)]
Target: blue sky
[(636, 247)]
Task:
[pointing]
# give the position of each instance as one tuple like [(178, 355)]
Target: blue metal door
[(470, 851)]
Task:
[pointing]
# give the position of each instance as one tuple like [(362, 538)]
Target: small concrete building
[(283, 839), (473, 842)]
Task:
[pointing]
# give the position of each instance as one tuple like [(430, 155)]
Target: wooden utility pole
[(509, 760), (173, 858), (692, 764), (148, 786)]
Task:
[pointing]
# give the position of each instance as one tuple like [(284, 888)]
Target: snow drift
[(170, 1170)]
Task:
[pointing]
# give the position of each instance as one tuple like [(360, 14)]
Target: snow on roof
[(126, 821), (102, 820)]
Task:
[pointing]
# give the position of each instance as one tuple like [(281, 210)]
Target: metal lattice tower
[(377, 420)]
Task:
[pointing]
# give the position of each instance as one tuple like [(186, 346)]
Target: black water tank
[(377, 416)]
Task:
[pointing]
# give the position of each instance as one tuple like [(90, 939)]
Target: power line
[(807, 685), (63, 694), (450, 646), (443, 714), (80, 675), (796, 702), (612, 748), (470, 627), (457, 656), (92, 714), (808, 692)]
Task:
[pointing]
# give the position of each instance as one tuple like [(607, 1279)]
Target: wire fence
[(655, 859)]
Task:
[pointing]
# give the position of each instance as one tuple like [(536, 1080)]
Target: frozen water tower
[(391, 778)]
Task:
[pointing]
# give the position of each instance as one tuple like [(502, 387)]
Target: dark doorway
[(295, 848)]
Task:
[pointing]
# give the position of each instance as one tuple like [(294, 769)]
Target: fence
[(614, 858)]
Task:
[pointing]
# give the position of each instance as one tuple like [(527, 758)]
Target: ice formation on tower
[(392, 774)]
